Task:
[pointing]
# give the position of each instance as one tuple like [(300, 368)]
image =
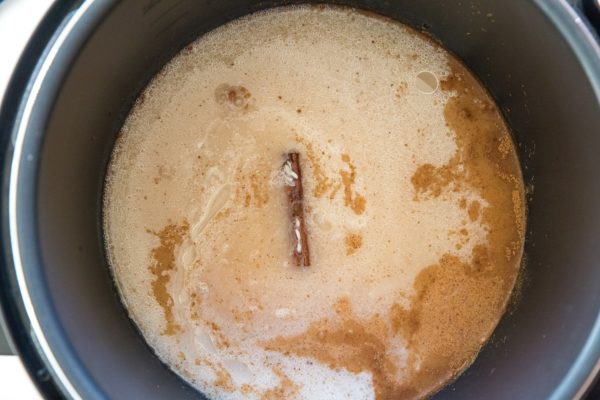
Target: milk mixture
[(413, 199)]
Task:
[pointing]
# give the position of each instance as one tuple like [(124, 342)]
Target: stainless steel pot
[(89, 59)]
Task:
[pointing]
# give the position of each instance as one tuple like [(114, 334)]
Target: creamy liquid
[(413, 202)]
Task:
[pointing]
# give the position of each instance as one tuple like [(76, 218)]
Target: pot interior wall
[(511, 46)]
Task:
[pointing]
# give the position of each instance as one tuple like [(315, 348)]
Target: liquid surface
[(413, 203)]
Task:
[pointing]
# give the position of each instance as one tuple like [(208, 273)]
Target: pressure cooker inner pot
[(115, 49)]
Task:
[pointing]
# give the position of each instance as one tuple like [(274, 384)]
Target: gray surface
[(4, 347)]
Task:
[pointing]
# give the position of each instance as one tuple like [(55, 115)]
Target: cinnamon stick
[(293, 180)]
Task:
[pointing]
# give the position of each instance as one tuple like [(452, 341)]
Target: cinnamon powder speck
[(163, 262), (353, 242), (352, 199)]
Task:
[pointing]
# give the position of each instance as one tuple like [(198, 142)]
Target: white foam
[(321, 383)]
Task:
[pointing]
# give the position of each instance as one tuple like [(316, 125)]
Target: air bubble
[(427, 82)]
